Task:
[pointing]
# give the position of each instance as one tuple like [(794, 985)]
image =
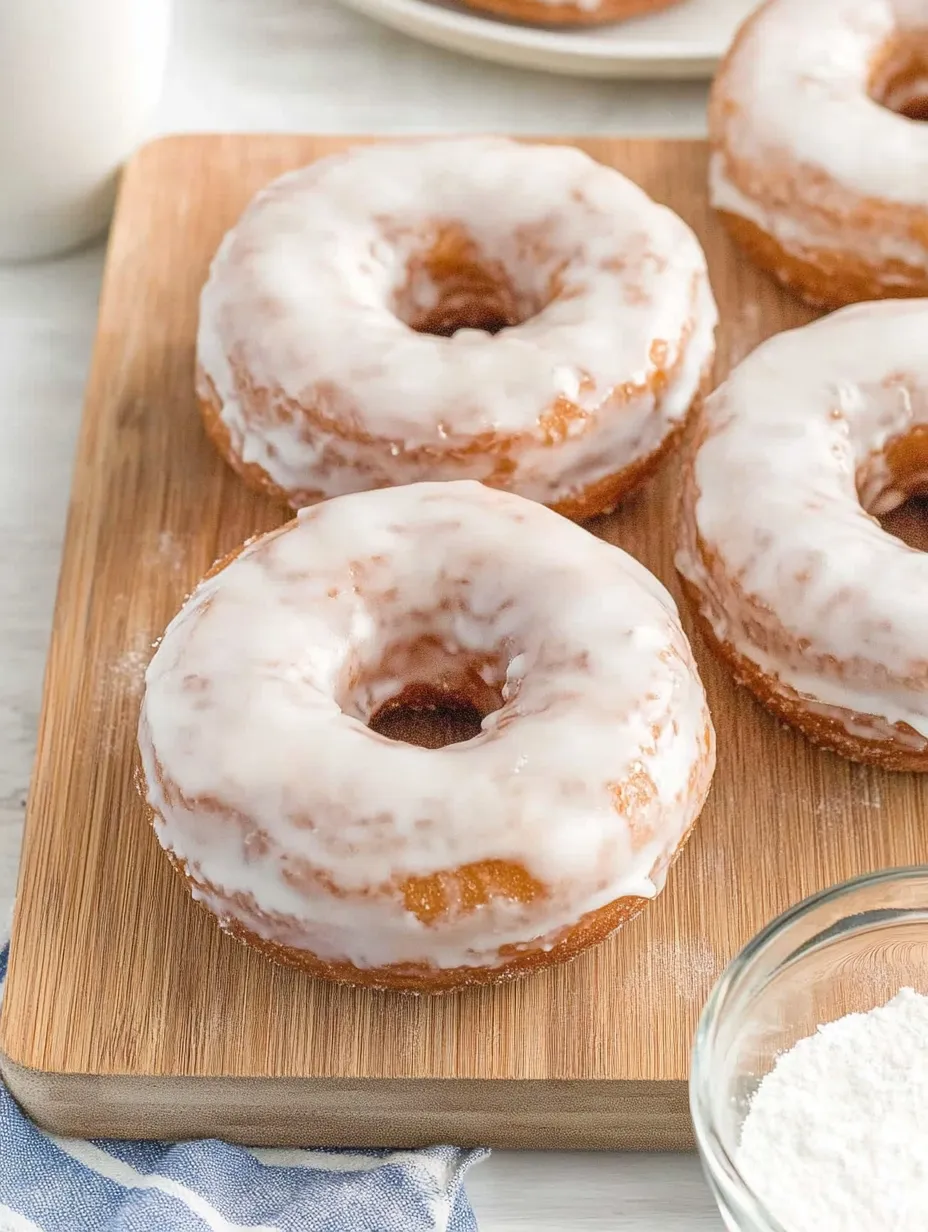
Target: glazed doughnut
[(570, 12), (346, 337), (817, 168), (373, 861), (815, 607)]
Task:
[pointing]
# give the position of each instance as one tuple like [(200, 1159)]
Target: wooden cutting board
[(128, 1013)]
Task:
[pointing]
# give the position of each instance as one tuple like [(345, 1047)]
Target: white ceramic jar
[(79, 81)]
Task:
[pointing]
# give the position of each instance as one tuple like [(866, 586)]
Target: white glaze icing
[(774, 535), (805, 234), (301, 293), (799, 142), (259, 762)]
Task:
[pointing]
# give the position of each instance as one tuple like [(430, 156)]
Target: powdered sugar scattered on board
[(834, 810), (691, 967), (169, 553), (836, 1137), (126, 676), (831, 811), (871, 797), (128, 670), (121, 682), (119, 688)]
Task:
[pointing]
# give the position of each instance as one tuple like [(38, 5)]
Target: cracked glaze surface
[(801, 149), (310, 827), (816, 431), (307, 347)]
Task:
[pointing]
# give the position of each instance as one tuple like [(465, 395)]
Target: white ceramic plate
[(686, 40)]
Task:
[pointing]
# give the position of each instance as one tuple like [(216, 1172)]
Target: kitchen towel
[(50, 1184)]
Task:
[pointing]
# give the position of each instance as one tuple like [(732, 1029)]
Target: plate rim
[(548, 48)]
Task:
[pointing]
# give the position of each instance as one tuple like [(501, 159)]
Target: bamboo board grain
[(128, 1013)]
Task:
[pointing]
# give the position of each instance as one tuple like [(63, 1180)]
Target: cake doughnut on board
[(128, 1013)]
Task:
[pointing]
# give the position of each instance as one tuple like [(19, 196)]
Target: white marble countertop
[(300, 65)]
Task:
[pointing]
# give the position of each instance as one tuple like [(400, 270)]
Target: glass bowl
[(847, 949)]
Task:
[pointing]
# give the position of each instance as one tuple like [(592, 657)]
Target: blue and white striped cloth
[(50, 1184)]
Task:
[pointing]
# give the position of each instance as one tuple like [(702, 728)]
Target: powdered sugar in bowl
[(805, 1127)]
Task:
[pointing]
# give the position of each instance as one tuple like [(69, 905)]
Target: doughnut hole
[(430, 716), (426, 692), (899, 77), (893, 488), (451, 284)]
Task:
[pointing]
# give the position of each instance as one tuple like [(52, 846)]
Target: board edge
[(541, 1114)]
